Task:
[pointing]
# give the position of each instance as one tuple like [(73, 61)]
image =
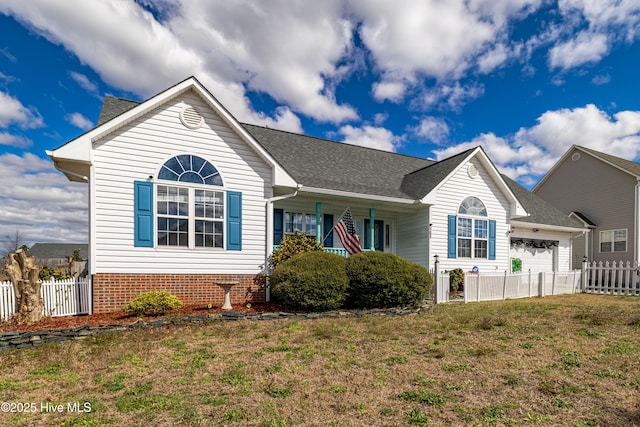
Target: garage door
[(535, 258)]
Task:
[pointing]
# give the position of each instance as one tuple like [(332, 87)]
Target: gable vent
[(191, 118), (472, 170)]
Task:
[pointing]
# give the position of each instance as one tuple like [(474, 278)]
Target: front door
[(378, 234)]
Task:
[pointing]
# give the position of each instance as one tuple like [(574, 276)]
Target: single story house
[(183, 196), (600, 192)]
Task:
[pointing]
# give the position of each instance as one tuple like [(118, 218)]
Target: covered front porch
[(402, 229)]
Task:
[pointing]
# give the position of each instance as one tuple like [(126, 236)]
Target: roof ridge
[(435, 162), (337, 142)]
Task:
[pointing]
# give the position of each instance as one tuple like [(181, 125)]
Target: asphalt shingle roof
[(540, 211), (112, 107), (58, 250), (323, 163)]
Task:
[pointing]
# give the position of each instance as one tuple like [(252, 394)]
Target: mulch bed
[(121, 318)]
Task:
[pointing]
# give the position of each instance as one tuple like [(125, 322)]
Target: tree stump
[(23, 273)]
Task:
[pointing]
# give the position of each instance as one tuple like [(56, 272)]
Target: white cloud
[(433, 129), (84, 82), (288, 52), (12, 112), (80, 121), (493, 58), (370, 136), (531, 152), (392, 91), (40, 202), (585, 48), (449, 97), (14, 140)]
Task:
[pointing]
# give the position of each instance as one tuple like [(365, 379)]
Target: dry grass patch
[(572, 360)]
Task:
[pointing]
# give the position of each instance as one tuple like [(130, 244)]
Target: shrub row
[(325, 281)]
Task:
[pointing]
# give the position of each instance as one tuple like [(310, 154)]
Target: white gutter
[(269, 228), (68, 172), (352, 195), (545, 226)]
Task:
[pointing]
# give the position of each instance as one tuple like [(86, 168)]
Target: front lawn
[(564, 360)]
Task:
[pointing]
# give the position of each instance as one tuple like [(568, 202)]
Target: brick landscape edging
[(25, 339)]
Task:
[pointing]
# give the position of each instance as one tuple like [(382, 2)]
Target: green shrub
[(152, 303), (456, 279), (294, 244), (382, 279), (311, 281), (47, 273)]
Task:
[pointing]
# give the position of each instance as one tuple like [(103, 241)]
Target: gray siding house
[(602, 193)]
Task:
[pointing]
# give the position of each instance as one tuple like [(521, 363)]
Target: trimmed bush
[(382, 279), (152, 303), (314, 281), (294, 244)]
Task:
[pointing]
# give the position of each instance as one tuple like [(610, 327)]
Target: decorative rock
[(24, 339)]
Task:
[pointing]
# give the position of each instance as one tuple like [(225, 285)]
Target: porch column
[(319, 222), (372, 216)]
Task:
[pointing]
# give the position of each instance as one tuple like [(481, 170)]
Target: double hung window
[(190, 213), (613, 240), (473, 229)]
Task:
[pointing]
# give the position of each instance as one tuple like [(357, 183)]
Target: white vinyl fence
[(621, 278), (501, 286), (61, 298)]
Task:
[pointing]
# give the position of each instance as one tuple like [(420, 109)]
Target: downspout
[(269, 228)]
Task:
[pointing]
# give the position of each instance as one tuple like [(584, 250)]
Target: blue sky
[(525, 79)]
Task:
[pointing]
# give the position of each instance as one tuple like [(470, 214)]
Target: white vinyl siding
[(449, 197), (135, 152), (412, 236)]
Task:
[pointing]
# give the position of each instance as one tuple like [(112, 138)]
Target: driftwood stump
[(23, 273)]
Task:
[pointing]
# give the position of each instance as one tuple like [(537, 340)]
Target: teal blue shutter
[(143, 214), (451, 234), (234, 221), (492, 239), (278, 226), (328, 232)]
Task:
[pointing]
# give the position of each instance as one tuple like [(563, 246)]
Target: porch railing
[(338, 251)]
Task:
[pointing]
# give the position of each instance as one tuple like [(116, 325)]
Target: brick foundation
[(112, 291)]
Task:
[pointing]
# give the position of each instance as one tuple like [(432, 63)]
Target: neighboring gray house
[(600, 192), (183, 196)]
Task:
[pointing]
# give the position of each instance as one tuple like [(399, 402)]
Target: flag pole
[(334, 225)]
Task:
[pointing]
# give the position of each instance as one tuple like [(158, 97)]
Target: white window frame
[(191, 217), (473, 238), (611, 239)]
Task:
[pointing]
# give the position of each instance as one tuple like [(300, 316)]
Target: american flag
[(347, 233)]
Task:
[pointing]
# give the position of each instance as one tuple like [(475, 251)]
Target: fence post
[(504, 286), (583, 275), (541, 284), (436, 274)]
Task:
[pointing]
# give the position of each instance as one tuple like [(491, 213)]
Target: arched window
[(190, 215), (473, 229), (472, 206), (190, 168)]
